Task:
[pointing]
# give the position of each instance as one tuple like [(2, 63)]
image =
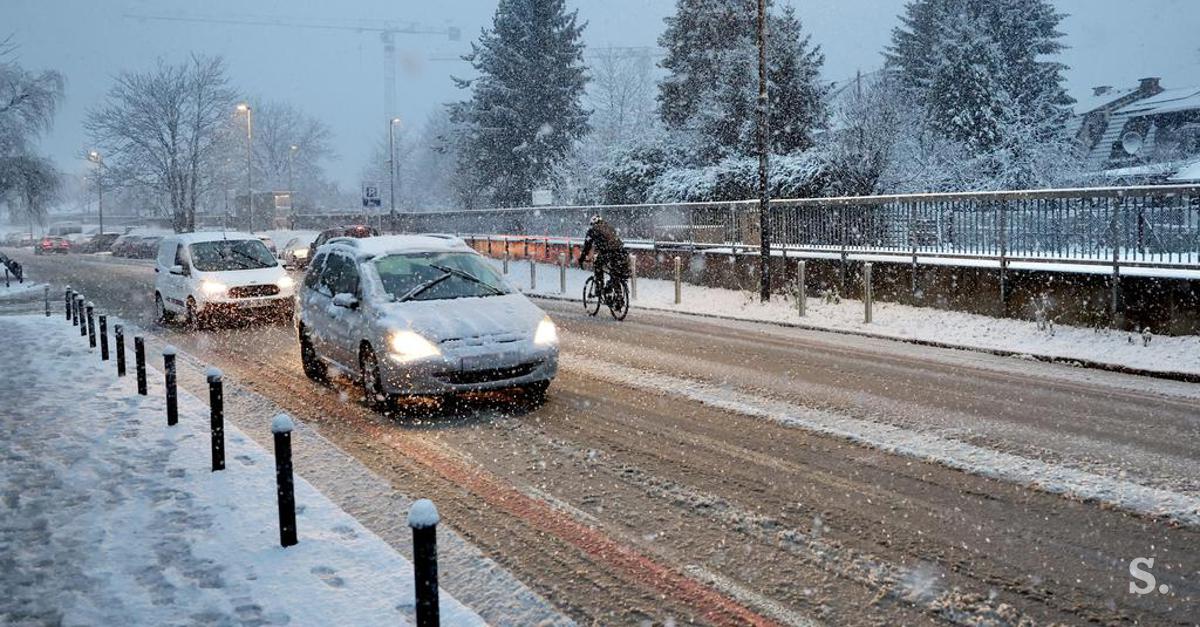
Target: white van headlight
[(410, 346), (546, 334), (286, 283), (212, 288)]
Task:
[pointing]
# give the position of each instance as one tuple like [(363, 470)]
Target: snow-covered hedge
[(800, 175)]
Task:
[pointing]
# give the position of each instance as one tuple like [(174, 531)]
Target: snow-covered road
[(790, 522)]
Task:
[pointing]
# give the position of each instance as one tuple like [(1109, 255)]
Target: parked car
[(48, 245), (13, 239), (350, 230), (206, 277), (124, 244), (146, 247), (100, 243), (270, 244), (420, 315), (295, 253), (27, 241)]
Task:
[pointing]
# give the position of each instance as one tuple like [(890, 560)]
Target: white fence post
[(678, 281), (632, 276), (867, 293)]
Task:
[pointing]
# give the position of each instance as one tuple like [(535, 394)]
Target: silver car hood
[(464, 318)]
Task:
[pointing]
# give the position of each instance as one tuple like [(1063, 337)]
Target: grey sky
[(336, 75)]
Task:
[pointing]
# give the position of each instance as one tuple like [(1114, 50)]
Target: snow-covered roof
[(1169, 101), (390, 244), (1090, 101), (213, 236)]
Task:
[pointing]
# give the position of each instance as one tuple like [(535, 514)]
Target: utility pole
[(764, 148)]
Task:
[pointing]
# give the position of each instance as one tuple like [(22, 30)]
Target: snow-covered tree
[(28, 101), (985, 73), (160, 128), (525, 109), (710, 93)]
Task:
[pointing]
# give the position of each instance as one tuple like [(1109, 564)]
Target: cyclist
[(610, 251)]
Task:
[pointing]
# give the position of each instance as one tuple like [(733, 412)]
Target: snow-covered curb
[(121, 521), (1168, 357)]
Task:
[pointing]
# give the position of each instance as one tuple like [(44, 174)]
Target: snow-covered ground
[(108, 516), (1162, 353)]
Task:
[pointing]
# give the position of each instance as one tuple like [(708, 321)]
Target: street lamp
[(392, 124), (291, 190), (764, 147), (94, 157), (245, 108)]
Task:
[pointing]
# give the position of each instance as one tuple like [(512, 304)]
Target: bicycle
[(616, 296)]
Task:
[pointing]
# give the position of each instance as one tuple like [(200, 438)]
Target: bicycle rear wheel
[(618, 300), (591, 297)]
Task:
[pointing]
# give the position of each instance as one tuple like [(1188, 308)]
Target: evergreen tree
[(984, 68), (524, 112), (712, 87)]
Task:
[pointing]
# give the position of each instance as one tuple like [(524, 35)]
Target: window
[(180, 258), (223, 255), (438, 276), (340, 276), (312, 277)]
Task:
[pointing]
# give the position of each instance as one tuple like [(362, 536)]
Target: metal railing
[(1154, 226)]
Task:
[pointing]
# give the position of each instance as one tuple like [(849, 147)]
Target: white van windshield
[(223, 255)]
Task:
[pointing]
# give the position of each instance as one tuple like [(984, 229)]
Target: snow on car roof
[(390, 244), (213, 236)]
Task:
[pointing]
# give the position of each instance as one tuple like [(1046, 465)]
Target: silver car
[(420, 315)]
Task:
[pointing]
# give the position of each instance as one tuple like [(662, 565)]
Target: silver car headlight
[(410, 346), (546, 334)]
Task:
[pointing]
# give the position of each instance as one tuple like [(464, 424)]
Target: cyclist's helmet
[(596, 219)]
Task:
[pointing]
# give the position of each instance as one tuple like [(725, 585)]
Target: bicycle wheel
[(618, 300), (591, 300)]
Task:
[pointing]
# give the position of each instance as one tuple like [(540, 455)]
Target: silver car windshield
[(438, 276)]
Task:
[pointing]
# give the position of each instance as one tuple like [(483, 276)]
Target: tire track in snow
[(1052, 478)]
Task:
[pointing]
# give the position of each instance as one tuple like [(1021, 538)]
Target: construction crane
[(387, 35)]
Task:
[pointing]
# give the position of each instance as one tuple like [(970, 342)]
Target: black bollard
[(119, 331), (282, 428), (81, 315), (46, 294), (6, 277), (139, 356), (216, 402), (103, 338), (91, 324), (169, 380), (69, 297), (423, 518), (74, 309)]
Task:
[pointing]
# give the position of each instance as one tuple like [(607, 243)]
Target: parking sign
[(370, 195)]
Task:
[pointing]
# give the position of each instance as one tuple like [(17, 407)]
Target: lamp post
[(392, 159), (291, 185), (245, 108), (94, 157)]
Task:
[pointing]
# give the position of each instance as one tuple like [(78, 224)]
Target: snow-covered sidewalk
[(110, 517), (1163, 354)]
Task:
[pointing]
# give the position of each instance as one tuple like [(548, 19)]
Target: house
[(1140, 135)]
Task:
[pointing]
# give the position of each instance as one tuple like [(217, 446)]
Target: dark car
[(100, 243), (123, 245), (358, 231), (49, 245), (146, 247)]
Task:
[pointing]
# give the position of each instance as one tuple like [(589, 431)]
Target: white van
[(202, 277)]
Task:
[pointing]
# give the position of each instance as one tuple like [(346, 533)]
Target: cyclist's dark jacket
[(610, 250)]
